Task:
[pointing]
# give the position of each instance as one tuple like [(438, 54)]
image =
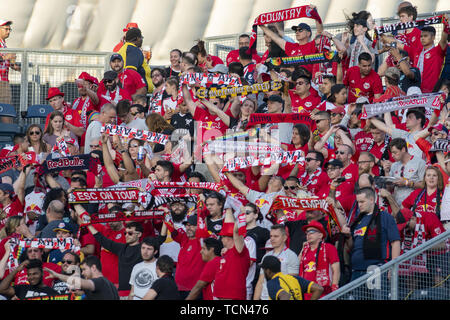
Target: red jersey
[(83, 106), (425, 203), (429, 62), (351, 173), (215, 60), (190, 263), (316, 183), (208, 274), (359, 86), (210, 126), (131, 81), (71, 116), (250, 73), (230, 281), (110, 261), (295, 49), (305, 105), (15, 208), (4, 64), (22, 277)]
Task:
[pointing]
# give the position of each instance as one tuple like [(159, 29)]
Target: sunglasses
[(290, 187), (340, 152), (248, 212), (309, 159), (130, 233), (335, 114), (109, 81), (32, 133), (67, 261)]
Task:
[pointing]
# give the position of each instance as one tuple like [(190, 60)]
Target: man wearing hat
[(129, 26), (88, 99), (286, 287), (7, 60), (190, 263), (134, 58), (129, 78), (436, 132), (337, 189), (319, 261), (114, 92), (304, 45), (230, 280), (72, 118), (337, 113)]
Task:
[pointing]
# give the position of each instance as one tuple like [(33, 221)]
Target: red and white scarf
[(321, 269), (133, 133), (410, 241), (83, 111), (97, 195), (208, 79)]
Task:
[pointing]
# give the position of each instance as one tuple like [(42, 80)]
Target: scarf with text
[(262, 118), (240, 163), (133, 133), (241, 135), (278, 16), (240, 146), (17, 161), (411, 240), (97, 195), (61, 147), (209, 79), (217, 187), (120, 216), (387, 28), (432, 101), (79, 162), (234, 91), (83, 111), (321, 267), (59, 297), (321, 57)]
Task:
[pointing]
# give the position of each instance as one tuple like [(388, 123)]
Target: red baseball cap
[(53, 92), (316, 225), (340, 110), (130, 26)]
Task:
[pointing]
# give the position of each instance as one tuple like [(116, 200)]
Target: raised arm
[(274, 37), (237, 183), (109, 164), (222, 115)]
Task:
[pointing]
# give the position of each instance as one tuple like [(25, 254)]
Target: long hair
[(156, 123), (199, 49), (10, 227), (42, 144), (361, 15), (54, 114), (440, 184)]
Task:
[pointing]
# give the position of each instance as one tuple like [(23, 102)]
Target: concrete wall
[(96, 25)]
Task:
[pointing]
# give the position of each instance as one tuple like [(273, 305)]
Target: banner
[(122, 216), (241, 135), (233, 91), (79, 162), (20, 160), (209, 79), (119, 195), (239, 163), (431, 101), (263, 118), (160, 200), (321, 57), (281, 15), (408, 25), (133, 133)]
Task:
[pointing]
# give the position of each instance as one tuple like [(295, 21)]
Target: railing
[(405, 277), (222, 45), (42, 69)]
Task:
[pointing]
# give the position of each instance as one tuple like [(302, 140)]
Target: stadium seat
[(39, 111), (7, 132), (7, 110)]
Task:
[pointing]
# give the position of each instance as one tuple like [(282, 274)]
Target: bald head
[(55, 209)]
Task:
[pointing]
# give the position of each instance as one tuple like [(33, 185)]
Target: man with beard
[(113, 91), (159, 92), (190, 263), (144, 273), (35, 288), (129, 78)]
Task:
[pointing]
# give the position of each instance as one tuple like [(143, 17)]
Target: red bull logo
[(360, 232), (261, 202)]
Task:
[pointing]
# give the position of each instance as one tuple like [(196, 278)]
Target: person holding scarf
[(56, 129), (373, 238), (319, 261)]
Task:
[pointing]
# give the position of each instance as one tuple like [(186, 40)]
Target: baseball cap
[(110, 75), (340, 110), (192, 220), (275, 98), (130, 25), (302, 26), (316, 225), (334, 163), (220, 68), (271, 263), (63, 226), (53, 92), (6, 187), (115, 56), (5, 22)]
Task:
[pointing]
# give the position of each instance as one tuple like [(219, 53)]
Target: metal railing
[(42, 69), (422, 273), (221, 45)]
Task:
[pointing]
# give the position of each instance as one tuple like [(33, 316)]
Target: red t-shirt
[(318, 184), (70, 116), (233, 56), (427, 203), (305, 105), (295, 49), (83, 104), (110, 261), (208, 274), (359, 86), (230, 281), (131, 81), (215, 60), (190, 263), (432, 64), (351, 173)]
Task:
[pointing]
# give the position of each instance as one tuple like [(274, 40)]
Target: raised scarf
[(321, 57), (133, 133), (208, 79), (234, 91), (79, 162), (263, 118), (278, 16)]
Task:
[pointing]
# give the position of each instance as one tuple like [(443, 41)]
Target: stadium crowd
[(157, 184)]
